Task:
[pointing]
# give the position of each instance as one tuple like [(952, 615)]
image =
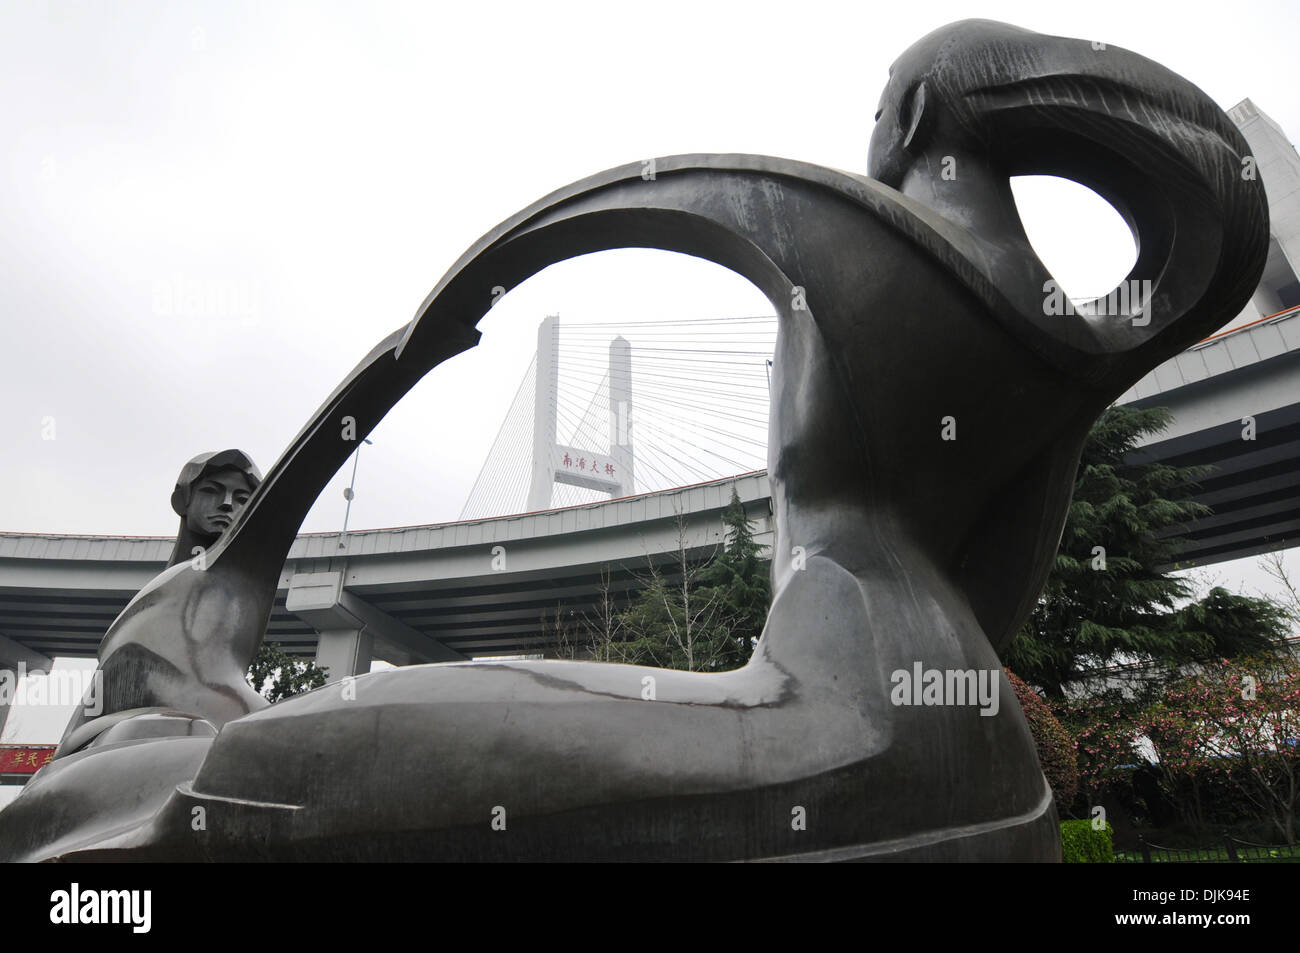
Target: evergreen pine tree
[(1108, 597), (708, 619), (738, 578)]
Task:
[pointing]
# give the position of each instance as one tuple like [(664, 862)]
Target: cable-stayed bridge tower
[(572, 435), (610, 469)]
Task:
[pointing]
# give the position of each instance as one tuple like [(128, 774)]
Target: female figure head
[(209, 492)]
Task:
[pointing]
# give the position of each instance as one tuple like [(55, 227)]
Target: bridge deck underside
[(554, 615), (71, 626), (1253, 487)]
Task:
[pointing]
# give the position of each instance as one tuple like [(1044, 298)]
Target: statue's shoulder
[(904, 214), (944, 241), (947, 243), (172, 585)]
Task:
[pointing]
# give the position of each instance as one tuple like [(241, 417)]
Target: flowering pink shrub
[(1239, 722), (1235, 723)]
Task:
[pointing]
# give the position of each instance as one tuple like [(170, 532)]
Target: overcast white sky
[(325, 163)]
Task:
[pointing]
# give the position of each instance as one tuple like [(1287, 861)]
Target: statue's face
[(893, 147), (888, 158), (910, 105), (215, 500)]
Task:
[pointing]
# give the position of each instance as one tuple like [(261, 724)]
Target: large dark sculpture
[(927, 416)]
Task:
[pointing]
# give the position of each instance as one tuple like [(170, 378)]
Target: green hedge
[(1080, 844)]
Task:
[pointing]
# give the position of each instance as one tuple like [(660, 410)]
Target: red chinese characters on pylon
[(585, 464)]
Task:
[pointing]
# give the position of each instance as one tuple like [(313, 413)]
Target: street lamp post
[(349, 492)]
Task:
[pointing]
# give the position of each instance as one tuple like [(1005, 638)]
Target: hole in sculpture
[(1077, 234), (699, 337)]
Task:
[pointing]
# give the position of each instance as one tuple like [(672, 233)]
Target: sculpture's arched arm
[(684, 209), (258, 543)]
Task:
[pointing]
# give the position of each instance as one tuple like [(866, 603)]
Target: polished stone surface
[(927, 417)]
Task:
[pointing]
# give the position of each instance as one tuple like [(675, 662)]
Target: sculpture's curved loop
[(998, 101)]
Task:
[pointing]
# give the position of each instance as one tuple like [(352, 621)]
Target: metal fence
[(1234, 850)]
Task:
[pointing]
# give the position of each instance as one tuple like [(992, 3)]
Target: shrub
[(1055, 744), (1080, 844)]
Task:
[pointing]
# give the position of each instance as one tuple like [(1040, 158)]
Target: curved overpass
[(440, 592)]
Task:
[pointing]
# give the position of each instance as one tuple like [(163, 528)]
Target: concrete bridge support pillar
[(345, 652), (16, 660), (353, 632)]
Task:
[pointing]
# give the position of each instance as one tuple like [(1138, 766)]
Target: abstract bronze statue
[(927, 418)]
